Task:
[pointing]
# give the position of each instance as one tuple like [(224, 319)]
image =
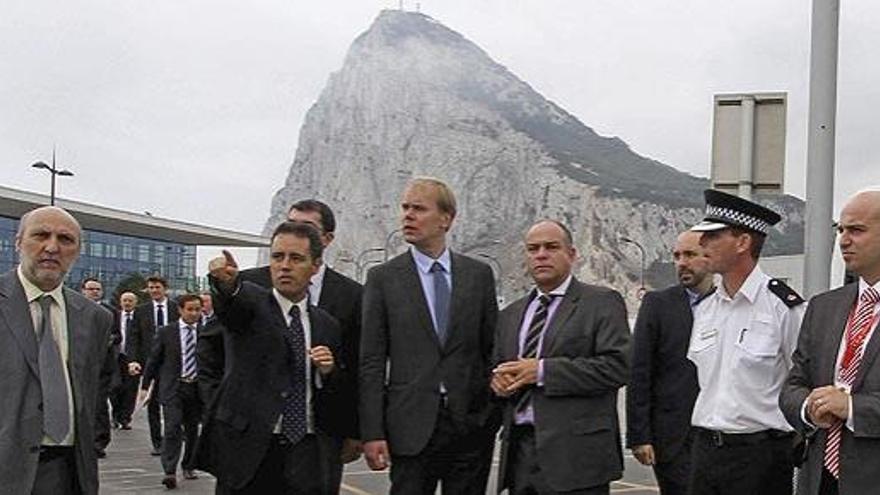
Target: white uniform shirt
[(742, 348)]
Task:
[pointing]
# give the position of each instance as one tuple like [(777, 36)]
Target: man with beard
[(663, 385)]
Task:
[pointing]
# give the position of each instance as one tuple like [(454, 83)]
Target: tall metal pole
[(746, 148), (53, 173), (819, 238)]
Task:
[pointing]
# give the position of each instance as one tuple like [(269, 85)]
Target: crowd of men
[(284, 373)]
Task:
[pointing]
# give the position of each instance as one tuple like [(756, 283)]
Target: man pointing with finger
[(270, 429)]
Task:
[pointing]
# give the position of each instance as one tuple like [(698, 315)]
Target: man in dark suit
[(147, 318), (341, 297), (210, 350), (92, 288), (663, 386), (271, 428), (430, 315), (174, 361), (562, 357), (831, 393), (124, 394), (53, 343)]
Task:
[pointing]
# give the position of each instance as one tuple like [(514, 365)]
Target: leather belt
[(51, 452), (189, 380), (721, 439)]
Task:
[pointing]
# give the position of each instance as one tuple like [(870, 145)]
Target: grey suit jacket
[(586, 360), (814, 363), (397, 327), (88, 327)]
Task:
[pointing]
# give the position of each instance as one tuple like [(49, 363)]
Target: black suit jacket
[(145, 329), (585, 353), (663, 385), (165, 363), (397, 326), (211, 355), (341, 297), (238, 427), (128, 349)]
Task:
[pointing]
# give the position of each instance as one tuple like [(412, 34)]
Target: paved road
[(129, 469)]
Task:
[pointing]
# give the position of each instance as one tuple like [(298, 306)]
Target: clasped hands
[(511, 376), (827, 405)]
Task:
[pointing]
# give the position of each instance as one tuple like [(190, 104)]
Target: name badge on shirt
[(708, 334)]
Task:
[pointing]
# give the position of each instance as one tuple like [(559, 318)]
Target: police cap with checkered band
[(726, 210)]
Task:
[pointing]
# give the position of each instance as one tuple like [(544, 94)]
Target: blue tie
[(441, 301), (293, 416), (189, 353)]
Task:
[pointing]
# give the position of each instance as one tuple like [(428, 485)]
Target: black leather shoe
[(189, 474), (100, 453), (157, 451), (170, 481)]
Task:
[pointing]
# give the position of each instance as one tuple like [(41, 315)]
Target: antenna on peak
[(418, 7), (400, 5)]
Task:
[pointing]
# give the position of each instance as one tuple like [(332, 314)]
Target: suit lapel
[(511, 344), (15, 312), (461, 286), (836, 325), (78, 342), (411, 286), (326, 300), (566, 308)]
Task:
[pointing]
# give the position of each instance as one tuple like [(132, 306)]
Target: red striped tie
[(856, 333)]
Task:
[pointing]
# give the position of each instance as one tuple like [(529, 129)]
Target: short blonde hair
[(445, 197)]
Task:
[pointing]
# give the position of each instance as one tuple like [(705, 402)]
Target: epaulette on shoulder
[(788, 295)]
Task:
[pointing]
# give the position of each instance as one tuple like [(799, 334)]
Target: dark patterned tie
[(56, 413), (160, 316), (190, 370), (530, 346), (293, 416), (441, 301)]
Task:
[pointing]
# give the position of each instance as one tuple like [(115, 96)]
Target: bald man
[(833, 391), (53, 342)]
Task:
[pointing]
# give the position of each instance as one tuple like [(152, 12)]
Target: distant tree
[(133, 282)]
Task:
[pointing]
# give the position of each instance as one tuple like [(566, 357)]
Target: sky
[(191, 109)]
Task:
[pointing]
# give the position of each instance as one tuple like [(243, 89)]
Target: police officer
[(741, 343)]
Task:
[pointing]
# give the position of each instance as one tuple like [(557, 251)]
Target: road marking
[(355, 490)]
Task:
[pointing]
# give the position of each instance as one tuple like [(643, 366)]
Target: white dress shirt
[(285, 305), (59, 333), (742, 346)]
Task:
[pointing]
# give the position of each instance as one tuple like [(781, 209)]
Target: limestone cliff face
[(416, 98)]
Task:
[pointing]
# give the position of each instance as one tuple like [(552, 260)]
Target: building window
[(144, 253)]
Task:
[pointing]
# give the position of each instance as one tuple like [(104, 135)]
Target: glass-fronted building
[(117, 244), (112, 257)]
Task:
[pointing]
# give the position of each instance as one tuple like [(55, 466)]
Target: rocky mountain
[(416, 98)]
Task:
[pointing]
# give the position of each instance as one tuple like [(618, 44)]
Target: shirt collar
[(286, 303), (750, 287), (318, 278), (425, 262), (32, 292), (863, 285), (163, 302), (560, 289), (182, 325)]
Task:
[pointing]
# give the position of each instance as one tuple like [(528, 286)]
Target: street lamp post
[(388, 242), (53, 171), (359, 263), (642, 252), (499, 278)]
